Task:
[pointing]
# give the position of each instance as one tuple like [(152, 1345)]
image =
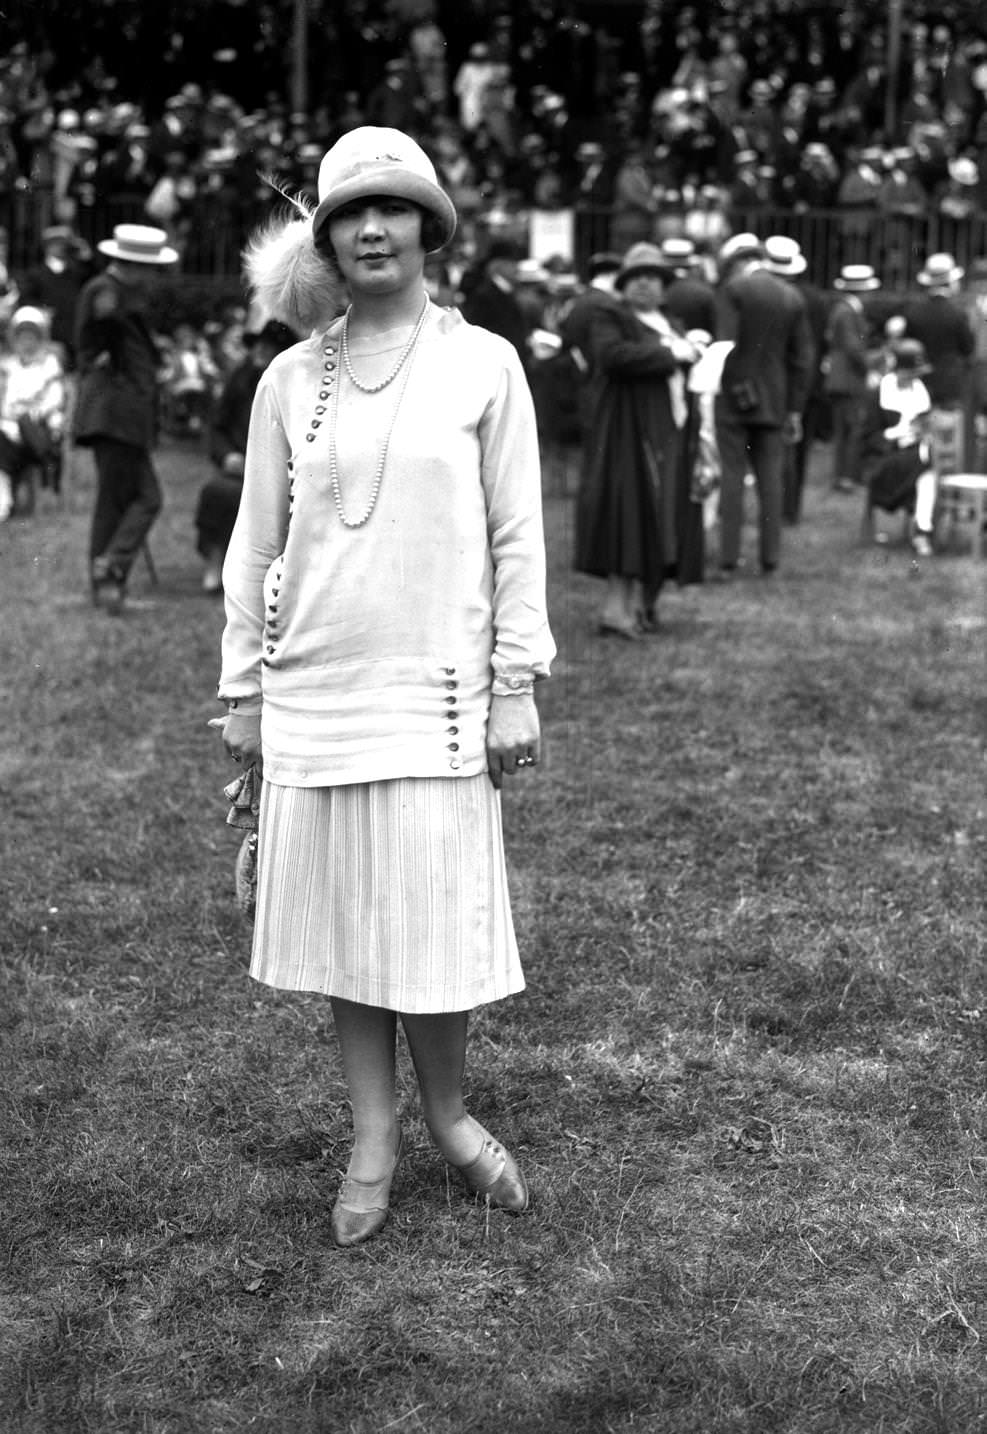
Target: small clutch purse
[(245, 875)]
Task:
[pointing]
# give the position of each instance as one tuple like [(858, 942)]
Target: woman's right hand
[(241, 738)]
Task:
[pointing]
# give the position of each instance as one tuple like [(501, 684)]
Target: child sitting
[(190, 379), (897, 455), (32, 412)]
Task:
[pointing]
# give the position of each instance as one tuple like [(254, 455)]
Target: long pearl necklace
[(403, 362)]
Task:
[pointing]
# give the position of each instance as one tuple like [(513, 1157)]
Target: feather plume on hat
[(289, 279)]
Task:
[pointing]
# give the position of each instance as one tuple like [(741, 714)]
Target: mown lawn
[(747, 1080)]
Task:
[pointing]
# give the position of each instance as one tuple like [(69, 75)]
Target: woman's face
[(378, 244), (26, 341), (644, 291)]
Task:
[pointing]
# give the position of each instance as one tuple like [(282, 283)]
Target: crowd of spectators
[(643, 116)]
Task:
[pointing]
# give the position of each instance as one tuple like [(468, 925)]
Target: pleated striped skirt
[(389, 894)]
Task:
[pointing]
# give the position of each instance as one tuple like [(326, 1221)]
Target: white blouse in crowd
[(35, 388), (910, 400)]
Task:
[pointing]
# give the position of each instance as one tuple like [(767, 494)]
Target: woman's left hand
[(513, 737)]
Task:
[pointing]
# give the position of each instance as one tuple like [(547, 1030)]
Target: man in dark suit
[(577, 326), (576, 329), (762, 394), (783, 256), (55, 283), (689, 297), (846, 367), (491, 301), (941, 324), (116, 413)]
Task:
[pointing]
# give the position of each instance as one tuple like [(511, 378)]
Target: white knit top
[(375, 648)]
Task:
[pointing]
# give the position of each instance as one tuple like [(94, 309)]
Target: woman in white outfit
[(386, 625)]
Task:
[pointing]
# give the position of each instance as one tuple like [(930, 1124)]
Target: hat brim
[(636, 271), (929, 280), (398, 183), (165, 255), (857, 286), (787, 271)]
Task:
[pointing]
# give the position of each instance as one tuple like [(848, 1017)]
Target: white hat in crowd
[(138, 244), (783, 256), (856, 279), (940, 270)]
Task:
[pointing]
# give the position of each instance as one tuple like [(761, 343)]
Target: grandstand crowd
[(647, 118), (864, 150)]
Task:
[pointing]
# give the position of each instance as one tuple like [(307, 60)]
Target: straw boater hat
[(740, 246), (643, 258), (679, 253), (856, 279), (138, 244), (783, 256), (371, 160), (940, 270)]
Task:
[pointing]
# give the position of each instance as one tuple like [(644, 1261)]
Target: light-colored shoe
[(360, 1211), (495, 1175), (922, 545)]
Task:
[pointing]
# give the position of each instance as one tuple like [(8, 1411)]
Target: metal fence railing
[(895, 245)]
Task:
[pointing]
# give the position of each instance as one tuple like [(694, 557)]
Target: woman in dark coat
[(626, 526)]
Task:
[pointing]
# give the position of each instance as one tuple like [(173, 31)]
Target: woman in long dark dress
[(627, 521)]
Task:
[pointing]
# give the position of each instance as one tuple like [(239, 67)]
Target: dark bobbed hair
[(432, 237)]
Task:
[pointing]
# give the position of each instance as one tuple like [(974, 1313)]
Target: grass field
[(747, 1080)]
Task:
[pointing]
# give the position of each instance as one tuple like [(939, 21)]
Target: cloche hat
[(642, 258), (939, 269), (29, 315), (856, 279), (372, 160), (138, 244), (909, 356)]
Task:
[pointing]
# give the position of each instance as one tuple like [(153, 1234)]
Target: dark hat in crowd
[(502, 248), (856, 279), (642, 258), (909, 356), (278, 335), (371, 160), (604, 261)]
